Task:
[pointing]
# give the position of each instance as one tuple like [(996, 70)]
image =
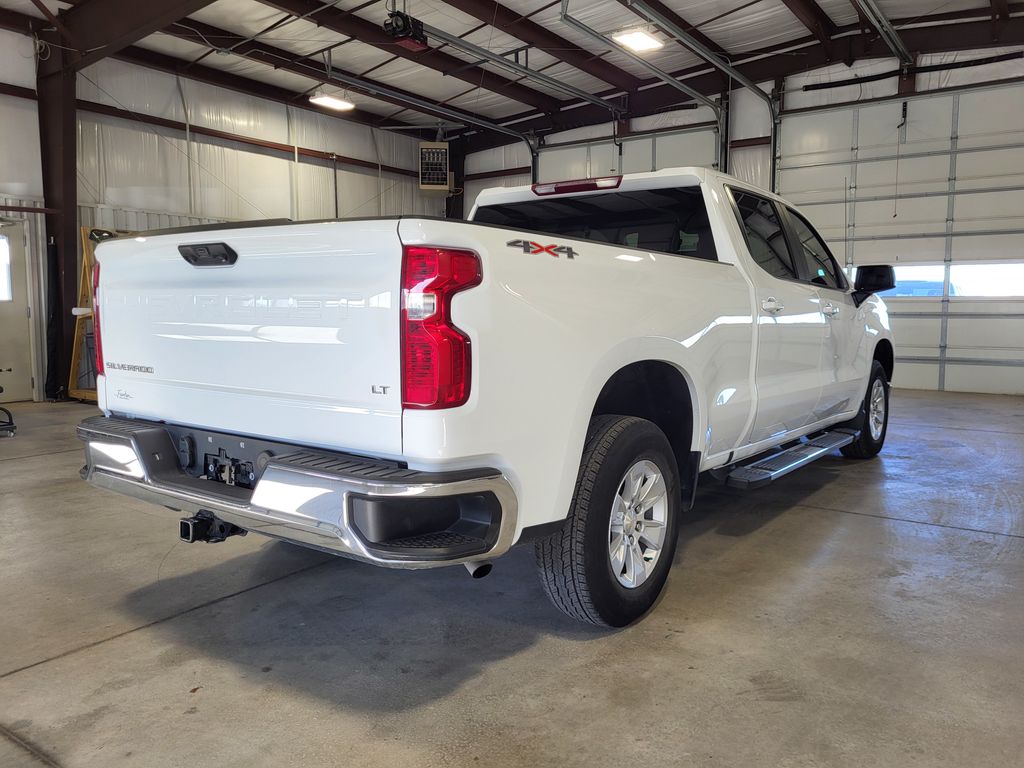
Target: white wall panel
[(991, 168), (499, 158), (232, 184), (929, 123), (816, 138), (604, 160), (814, 183), (123, 164), (984, 378), (638, 155), (913, 216), (752, 164), (599, 131), (20, 164), (359, 193), (235, 112), (563, 163), (672, 150), (988, 248), (139, 89), (988, 335), (878, 129), (916, 250), (915, 375), (828, 218), (401, 194), (17, 59), (918, 336), (914, 174), (748, 114), (990, 210), (314, 192), (992, 116)]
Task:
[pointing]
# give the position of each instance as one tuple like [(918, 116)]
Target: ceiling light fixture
[(637, 39), (322, 98)]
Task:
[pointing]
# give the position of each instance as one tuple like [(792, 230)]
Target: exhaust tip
[(479, 570)]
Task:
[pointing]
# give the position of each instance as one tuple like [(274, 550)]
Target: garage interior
[(852, 613)]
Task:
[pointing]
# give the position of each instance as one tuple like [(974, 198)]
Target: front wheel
[(873, 421), (609, 563)]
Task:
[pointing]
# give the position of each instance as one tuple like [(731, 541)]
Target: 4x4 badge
[(529, 246)]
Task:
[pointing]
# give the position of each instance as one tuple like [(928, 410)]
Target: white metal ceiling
[(738, 26)]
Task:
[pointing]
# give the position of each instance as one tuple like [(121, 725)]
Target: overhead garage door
[(933, 184)]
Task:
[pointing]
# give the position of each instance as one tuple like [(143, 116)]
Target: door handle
[(830, 310), (772, 305)]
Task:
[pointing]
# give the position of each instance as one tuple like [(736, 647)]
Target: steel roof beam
[(370, 33), (869, 10), (224, 79), (816, 20), (100, 28), (457, 42), (207, 34), (543, 39), (769, 66), (659, 73)]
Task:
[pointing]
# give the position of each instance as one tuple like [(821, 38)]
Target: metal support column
[(55, 86)]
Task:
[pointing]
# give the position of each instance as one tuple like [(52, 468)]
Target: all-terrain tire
[(867, 445), (574, 563)]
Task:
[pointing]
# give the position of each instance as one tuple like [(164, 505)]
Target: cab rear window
[(666, 220)]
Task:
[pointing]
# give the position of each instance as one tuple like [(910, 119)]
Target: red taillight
[(577, 185), (97, 342), (436, 356)]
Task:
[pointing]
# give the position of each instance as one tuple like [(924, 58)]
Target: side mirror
[(873, 279)]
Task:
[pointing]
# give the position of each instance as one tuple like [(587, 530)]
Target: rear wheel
[(609, 563), (873, 421)]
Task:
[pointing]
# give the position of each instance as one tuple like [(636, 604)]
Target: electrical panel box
[(434, 166)]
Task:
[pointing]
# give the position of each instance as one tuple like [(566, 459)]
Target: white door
[(15, 341), (843, 379), (791, 327)]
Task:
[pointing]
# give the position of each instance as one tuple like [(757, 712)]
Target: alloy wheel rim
[(876, 410), (636, 527)]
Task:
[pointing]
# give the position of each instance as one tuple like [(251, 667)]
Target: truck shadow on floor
[(378, 640)]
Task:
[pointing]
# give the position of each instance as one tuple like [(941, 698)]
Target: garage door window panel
[(987, 280)]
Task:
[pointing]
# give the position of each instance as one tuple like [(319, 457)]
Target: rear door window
[(667, 220), (764, 233)]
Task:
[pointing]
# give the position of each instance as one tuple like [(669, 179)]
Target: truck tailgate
[(298, 340)]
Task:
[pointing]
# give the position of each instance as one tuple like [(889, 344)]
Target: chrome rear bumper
[(312, 498)]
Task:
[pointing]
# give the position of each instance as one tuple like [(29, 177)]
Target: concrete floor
[(852, 614)]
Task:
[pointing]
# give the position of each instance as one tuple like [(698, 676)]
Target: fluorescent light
[(637, 40), (324, 99)]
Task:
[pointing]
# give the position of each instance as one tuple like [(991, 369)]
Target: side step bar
[(763, 471)]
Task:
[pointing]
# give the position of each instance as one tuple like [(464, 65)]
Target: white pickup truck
[(417, 392)]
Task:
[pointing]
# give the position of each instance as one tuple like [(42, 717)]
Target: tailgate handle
[(208, 254)]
